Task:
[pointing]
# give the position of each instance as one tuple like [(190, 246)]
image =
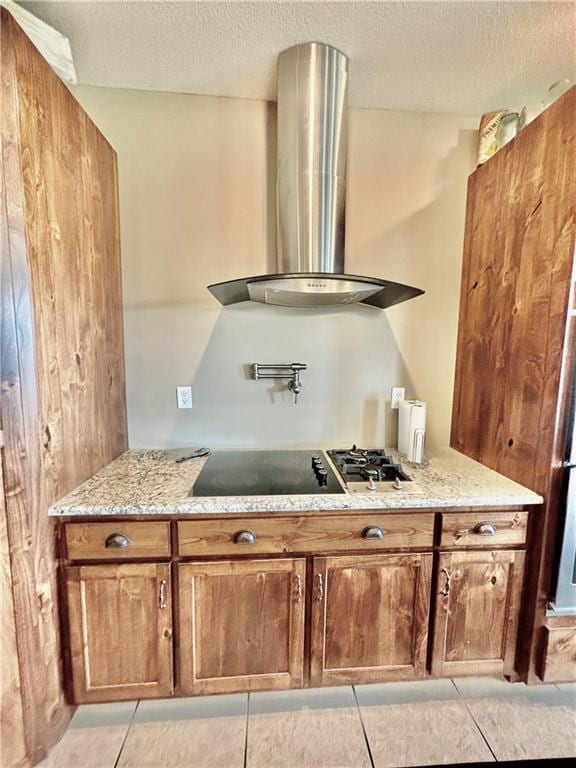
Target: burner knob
[(316, 460), (322, 475)]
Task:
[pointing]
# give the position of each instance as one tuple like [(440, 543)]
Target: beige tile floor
[(368, 726)]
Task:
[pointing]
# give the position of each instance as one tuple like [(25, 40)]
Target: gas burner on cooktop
[(370, 470)]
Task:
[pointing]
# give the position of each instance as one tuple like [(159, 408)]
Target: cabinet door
[(120, 621), (241, 625), (476, 617), (370, 618)]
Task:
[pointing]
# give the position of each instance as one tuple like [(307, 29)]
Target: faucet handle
[(295, 385)]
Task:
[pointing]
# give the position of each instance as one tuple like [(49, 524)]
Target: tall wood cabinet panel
[(241, 625), (516, 353), (477, 604), (120, 619), (62, 369), (370, 618), (516, 279), (12, 742)]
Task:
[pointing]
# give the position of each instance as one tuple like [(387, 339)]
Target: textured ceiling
[(462, 57)]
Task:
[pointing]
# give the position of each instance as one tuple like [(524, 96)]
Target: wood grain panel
[(87, 541), (120, 620), (559, 662), (71, 191), (305, 534), (462, 530), (517, 273), (63, 409), (370, 618), (516, 356), (476, 617), (30, 533), (241, 625), (12, 736)]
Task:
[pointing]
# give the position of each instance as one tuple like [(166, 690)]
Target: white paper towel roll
[(412, 429)]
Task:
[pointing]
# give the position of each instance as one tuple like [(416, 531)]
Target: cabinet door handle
[(162, 595), (245, 537), (320, 589), (446, 591), (117, 541), (485, 529), (298, 589), (373, 532)]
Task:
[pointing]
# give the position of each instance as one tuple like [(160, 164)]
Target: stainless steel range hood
[(311, 193)]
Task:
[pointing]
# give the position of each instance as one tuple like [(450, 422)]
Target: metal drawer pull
[(373, 532), (485, 529), (320, 591), (446, 591), (245, 537), (298, 589), (162, 595), (117, 541)]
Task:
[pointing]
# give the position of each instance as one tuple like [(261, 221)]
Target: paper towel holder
[(418, 442), (412, 432)]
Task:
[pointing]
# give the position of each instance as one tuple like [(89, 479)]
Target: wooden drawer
[(325, 533), (95, 541), (483, 529)]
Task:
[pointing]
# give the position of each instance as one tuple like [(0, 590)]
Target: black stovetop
[(265, 473)]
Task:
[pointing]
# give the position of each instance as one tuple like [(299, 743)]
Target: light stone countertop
[(150, 482)]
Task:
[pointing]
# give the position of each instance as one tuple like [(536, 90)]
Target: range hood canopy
[(311, 192)]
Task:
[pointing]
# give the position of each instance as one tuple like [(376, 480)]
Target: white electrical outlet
[(398, 394), (184, 397)]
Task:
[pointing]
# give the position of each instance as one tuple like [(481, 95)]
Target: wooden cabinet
[(516, 355), (241, 625), (120, 619), (271, 622), (477, 604), (370, 618)]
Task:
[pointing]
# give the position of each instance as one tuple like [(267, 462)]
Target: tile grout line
[(463, 700), (247, 726), (480, 731), (456, 687), (370, 757), (126, 734)]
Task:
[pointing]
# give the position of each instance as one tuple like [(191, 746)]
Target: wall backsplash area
[(197, 206)]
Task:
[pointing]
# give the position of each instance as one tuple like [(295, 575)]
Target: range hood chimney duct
[(312, 133), (311, 193)]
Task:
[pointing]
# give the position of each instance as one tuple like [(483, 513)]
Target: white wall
[(197, 207)]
